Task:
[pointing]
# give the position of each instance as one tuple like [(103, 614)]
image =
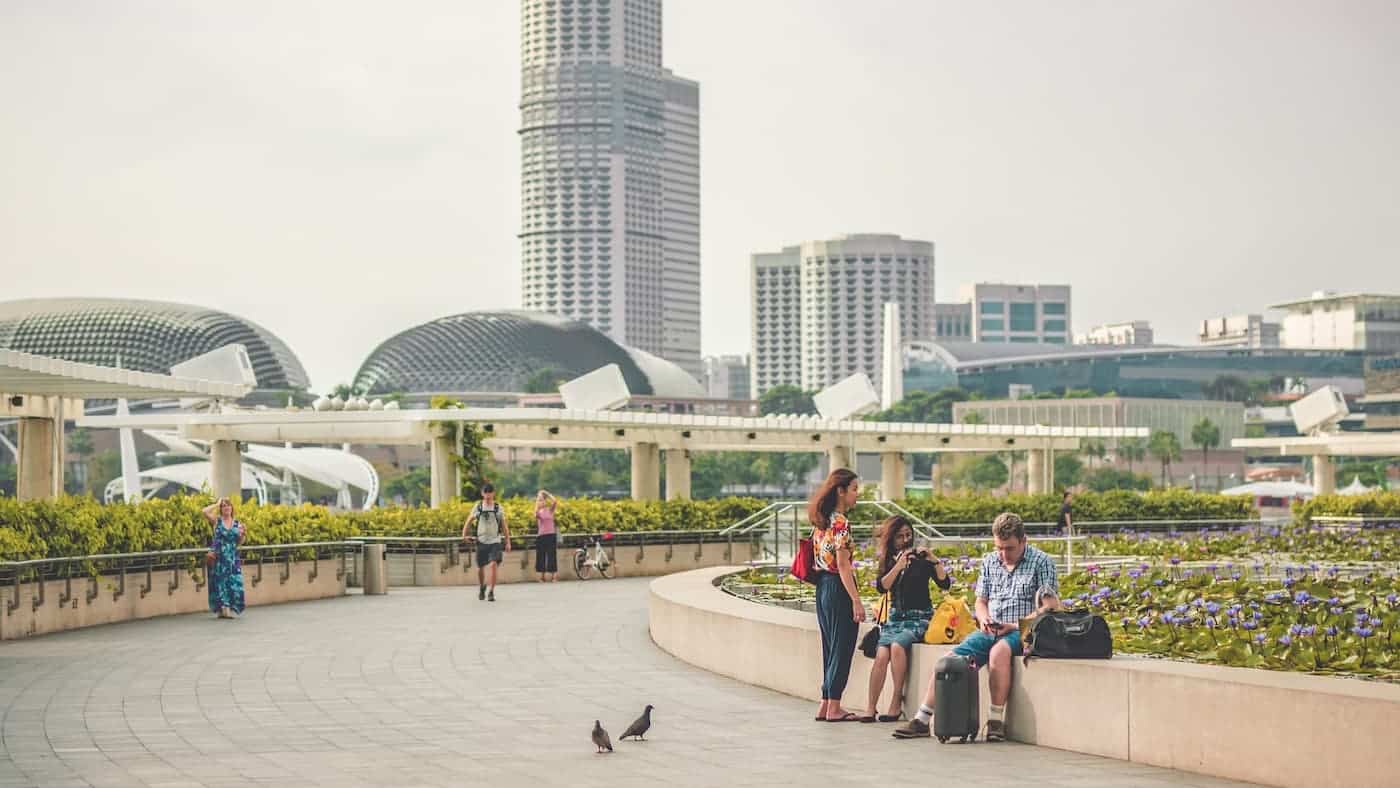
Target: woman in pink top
[(546, 538)]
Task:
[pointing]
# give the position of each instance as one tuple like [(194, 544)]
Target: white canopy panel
[(28, 374)]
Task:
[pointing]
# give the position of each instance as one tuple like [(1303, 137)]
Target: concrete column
[(646, 472), (892, 475), (1035, 471), (1324, 475), (677, 474), (39, 475), (839, 457), (226, 469), (442, 470)]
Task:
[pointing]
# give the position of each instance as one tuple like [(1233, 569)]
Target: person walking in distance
[(839, 609), (492, 540), (546, 537)]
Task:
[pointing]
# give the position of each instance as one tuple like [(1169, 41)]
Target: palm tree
[(1205, 435), (1166, 448), (1132, 449), (1094, 450)]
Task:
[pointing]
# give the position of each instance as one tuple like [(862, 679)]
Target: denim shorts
[(486, 553), (905, 627), (979, 644)]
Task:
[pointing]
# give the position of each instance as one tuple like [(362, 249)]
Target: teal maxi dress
[(226, 574)]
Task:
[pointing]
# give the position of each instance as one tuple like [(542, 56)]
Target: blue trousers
[(838, 630)]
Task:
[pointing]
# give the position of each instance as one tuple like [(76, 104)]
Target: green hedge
[(82, 526), (1376, 504), (1088, 506)]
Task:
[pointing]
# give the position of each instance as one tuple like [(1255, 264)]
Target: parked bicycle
[(588, 559)]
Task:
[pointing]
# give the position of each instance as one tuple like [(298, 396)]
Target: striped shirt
[(1012, 594)]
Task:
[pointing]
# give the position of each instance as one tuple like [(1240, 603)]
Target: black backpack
[(1069, 634)]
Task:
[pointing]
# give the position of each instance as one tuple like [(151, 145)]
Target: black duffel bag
[(1069, 634)]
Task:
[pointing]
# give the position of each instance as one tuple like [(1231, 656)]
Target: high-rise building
[(680, 226), (1135, 332), (727, 377), (595, 167), (953, 322), (1362, 321), (1019, 313), (818, 307), (1250, 331)]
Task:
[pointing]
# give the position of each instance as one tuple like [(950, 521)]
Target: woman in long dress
[(225, 568)]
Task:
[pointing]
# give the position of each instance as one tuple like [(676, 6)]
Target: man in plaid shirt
[(1017, 581)]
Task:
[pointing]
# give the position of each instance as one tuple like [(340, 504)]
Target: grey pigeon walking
[(640, 727), (600, 737)]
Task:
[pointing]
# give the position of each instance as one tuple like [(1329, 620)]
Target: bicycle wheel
[(581, 567), (605, 567)]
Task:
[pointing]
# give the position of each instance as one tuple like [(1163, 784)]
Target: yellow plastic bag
[(952, 621)]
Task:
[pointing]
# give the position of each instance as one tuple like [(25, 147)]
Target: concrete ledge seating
[(1275, 728), (172, 591)]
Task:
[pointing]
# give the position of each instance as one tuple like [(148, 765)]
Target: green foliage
[(787, 400), (1165, 447), (1105, 479), (924, 407), (1068, 471), (414, 488), (1133, 450), (81, 526), (1376, 504), (1205, 435), (544, 381), (988, 472), (1088, 507)]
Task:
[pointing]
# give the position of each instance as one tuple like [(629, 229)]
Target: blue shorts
[(979, 644)]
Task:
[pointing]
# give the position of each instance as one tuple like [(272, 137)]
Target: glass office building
[(1159, 372)]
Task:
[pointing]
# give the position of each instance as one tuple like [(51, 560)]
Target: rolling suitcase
[(955, 700)]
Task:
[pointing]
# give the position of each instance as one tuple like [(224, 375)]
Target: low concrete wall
[(1275, 728), (103, 600), (433, 569)]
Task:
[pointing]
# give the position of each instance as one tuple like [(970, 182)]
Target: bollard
[(376, 579)]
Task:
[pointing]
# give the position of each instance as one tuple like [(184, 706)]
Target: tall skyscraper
[(818, 307), (597, 171)]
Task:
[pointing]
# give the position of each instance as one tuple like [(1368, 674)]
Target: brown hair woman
[(839, 609)]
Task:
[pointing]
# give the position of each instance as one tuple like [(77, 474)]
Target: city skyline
[(338, 174)]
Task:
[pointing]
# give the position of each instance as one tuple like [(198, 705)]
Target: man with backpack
[(1017, 581), (492, 539)]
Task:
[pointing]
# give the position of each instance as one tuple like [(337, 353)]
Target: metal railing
[(92, 568), (1355, 521), (454, 551)]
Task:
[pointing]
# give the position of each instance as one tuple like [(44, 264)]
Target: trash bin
[(376, 580)]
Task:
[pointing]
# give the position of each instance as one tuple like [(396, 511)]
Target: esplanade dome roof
[(146, 336), (499, 351)]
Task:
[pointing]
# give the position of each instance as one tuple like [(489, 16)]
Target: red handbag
[(804, 564)]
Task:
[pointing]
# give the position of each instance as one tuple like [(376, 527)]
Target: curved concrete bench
[(1269, 727)]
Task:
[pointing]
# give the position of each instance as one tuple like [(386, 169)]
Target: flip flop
[(850, 716), (891, 717)]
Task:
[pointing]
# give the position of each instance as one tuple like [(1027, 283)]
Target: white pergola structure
[(649, 437), (1322, 448), (42, 392)]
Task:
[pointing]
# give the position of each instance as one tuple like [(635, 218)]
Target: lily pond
[(1322, 600)]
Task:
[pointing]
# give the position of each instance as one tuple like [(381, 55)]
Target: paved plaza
[(429, 687)]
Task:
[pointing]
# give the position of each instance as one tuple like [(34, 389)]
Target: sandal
[(849, 716), (866, 718), (891, 717)]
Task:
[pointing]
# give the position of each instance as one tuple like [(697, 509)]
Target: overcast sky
[(340, 170)]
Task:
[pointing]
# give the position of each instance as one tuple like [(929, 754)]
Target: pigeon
[(600, 737), (639, 728)]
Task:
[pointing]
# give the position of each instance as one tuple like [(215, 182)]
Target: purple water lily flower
[(1174, 561), (1168, 618), (1302, 598), (1363, 632), (1331, 631), (1392, 599), (1295, 630), (1210, 622), (1159, 582), (1250, 625), (1212, 608), (1336, 611), (1284, 640), (1144, 622), (1308, 631), (1260, 638)]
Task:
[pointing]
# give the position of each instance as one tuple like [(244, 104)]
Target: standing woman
[(839, 609), (546, 537), (225, 568)]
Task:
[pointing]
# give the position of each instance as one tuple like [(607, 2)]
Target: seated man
[(1016, 581)]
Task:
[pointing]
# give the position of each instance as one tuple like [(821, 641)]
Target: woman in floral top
[(839, 609)]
